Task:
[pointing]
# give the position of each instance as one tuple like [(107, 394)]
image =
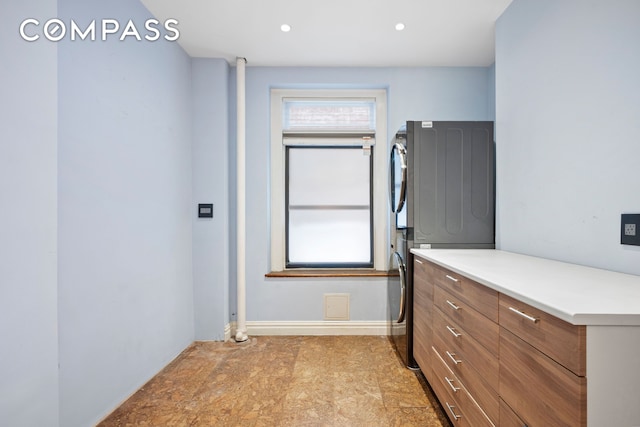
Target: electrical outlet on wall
[(629, 229)]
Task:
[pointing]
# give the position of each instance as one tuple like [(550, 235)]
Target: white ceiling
[(337, 32)]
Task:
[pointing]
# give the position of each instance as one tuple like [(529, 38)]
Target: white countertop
[(580, 295)]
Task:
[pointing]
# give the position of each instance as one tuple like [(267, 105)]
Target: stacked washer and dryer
[(442, 195)]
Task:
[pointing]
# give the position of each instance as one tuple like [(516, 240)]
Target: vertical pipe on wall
[(241, 324)]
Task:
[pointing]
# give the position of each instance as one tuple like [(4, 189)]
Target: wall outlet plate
[(630, 229)]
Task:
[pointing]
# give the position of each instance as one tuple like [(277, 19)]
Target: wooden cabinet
[(478, 296), (508, 418), (494, 360), (471, 364), (482, 329), (463, 369), (565, 338), (457, 401), (542, 366), (538, 389), (562, 341), (422, 318)]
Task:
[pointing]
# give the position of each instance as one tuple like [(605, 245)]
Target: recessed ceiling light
[(285, 28), (399, 26)]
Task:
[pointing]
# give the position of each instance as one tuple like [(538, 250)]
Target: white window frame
[(380, 171)]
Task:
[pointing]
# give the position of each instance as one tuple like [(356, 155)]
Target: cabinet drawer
[(471, 321), (475, 367), (478, 296), (446, 386), (538, 389), (508, 418), (456, 401), (422, 282), (423, 269), (560, 340), (422, 314), (422, 339)]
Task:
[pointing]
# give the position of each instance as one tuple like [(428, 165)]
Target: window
[(332, 115), (328, 202), (328, 180)]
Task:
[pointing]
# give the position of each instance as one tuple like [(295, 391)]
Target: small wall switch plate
[(205, 210), (630, 229)]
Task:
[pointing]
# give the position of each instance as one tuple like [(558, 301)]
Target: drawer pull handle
[(455, 307), (418, 261), (453, 279), (453, 358), (453, 414), (450, 382), (525, 315), (453, 332)]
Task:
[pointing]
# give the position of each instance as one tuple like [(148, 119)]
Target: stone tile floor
[(284, 381)]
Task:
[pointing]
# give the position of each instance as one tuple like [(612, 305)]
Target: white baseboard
[(265, 328)]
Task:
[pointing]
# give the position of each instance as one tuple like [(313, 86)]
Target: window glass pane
[(328, 176), (329, 206), (329, 236), (329, 115)]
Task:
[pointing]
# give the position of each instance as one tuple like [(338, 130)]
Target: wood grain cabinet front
[(459, 404), (538, 389), (463, 334), (563, 342), (542, 366), (507, 350), (481, 298), (508, 418), (482, 329), (473, 364), (422, 314)]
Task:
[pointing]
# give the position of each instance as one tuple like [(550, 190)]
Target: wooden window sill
[(331, 273)]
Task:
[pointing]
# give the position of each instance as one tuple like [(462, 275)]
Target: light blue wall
[(567, 101), (125, 281), (491, 93), (28, 217), (108, 272), (412, 94), (210, 93)]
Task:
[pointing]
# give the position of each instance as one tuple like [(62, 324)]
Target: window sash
[(346, 244)]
